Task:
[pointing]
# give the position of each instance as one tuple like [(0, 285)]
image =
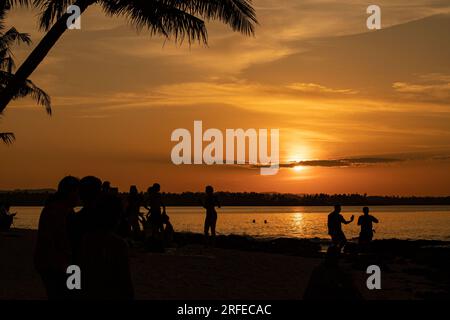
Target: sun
[(297, 154)]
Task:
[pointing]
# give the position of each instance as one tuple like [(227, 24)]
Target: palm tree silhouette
[(27, 87), (182, 19)]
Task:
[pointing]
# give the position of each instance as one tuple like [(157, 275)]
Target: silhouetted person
[(210, 203), (168, 229), (154, 206), (123, 229), (81, 222), (104, 255), (366, 222), (53, 253), (106, 187), (3, 209), (335, 220), (133, 210), (6, 218)]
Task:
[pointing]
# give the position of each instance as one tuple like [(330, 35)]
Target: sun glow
[(298, 168), (297, 154)]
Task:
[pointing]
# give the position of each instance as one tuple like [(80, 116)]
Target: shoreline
[(317, 240), (245, 205), (252, 242)]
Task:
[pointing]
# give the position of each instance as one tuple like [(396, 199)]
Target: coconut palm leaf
[(13, 36), (178, 18), (7, 137), (7, 39), (7, 62), (27, 88)]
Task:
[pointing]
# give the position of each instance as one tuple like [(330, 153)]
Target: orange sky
[(335, 90)]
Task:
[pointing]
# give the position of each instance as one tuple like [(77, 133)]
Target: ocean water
[(401, 222)]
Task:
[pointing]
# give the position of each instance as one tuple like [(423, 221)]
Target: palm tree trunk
[(37, 55)]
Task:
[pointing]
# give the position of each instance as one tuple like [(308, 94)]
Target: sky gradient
[(361, 111)]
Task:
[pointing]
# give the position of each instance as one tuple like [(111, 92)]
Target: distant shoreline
[(252, 199), (275, 205)]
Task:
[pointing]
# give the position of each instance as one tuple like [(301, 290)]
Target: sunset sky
[(364, 111)]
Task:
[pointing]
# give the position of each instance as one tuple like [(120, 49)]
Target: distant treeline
[(30, 198)]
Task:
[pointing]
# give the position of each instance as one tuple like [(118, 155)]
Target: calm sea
[(402, 222)]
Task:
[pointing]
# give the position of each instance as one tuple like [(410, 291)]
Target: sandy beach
[(258, 270), (190, 272)]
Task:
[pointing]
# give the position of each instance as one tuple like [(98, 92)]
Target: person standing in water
[(366, 222), (210, 203), (335, 221)]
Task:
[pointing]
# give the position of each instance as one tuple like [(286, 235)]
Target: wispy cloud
[(317, 88), (428, 87), (350, 162)]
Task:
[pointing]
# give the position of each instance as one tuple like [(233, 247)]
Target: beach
[(245, 268), (191, 272)]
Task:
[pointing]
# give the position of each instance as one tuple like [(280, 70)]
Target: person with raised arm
[(366, 222), (335, 221)]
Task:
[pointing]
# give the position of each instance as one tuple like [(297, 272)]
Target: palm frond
[(160, 17), (7, 137), (6, 62), (29, 89), (15, 3), (238, 14), (7, 40), (183, 18), (4, 7), (179, 18), (13, 36), (51, 10)]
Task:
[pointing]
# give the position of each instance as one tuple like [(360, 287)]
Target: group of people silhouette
[(89, 238), (97, 237), (335, 221)]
